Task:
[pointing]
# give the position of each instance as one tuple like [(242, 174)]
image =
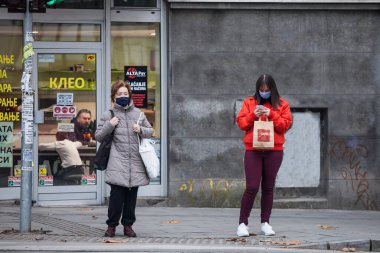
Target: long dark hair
[(268, 80)]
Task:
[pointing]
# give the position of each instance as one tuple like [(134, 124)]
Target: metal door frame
[(153, 15), (84, 192)]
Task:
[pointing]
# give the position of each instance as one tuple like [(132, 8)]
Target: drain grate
[(83, 233), (69, 226), (136, 240)]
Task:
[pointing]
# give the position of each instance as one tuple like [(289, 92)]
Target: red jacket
[(281, 117)]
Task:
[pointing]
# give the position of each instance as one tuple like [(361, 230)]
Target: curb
[(125, 247), (359, 245)]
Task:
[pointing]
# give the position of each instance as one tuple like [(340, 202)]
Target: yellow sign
[(17, 170), (42, 170), (91, 57), (66, 83)]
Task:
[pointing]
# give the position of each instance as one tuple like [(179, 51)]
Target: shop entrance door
[(66, 83)]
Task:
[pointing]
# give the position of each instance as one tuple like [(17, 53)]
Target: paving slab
[(190, 230)]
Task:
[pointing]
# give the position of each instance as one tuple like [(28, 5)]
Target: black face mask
[(123, 101)]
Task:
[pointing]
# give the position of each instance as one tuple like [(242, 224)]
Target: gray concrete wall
[(327, 59)]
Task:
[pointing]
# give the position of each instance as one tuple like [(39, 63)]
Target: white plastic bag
[(149, 156)]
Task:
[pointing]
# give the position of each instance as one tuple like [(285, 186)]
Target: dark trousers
[(122, 204), (69, 176), (259, 167)]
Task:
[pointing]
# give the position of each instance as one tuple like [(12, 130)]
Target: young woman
[(261, 166), (125, 170)]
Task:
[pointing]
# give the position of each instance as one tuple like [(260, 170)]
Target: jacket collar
[(117, 107)]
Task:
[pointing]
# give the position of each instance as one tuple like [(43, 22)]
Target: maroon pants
[(260, 166)]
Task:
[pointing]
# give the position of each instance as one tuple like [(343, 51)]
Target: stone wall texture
[(328, 60)]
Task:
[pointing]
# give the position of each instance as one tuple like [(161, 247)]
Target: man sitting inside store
[(84, 128), (71, 168)]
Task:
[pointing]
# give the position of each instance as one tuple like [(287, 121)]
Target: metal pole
[(27, 124)]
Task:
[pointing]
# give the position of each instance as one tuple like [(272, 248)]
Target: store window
[(10, 101), (135, 3), (67, 96), (78, 4), (136, 49), (66, 32)]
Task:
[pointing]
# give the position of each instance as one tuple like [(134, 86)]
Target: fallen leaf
[(234, 239), (38, 238), (348, 249), (86, 209), (252, 234), (170, 222), (94, 217), (115, 241), (287, 243), (326, 227)]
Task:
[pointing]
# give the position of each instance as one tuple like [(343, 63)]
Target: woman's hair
[(117, 85), (268, 80)]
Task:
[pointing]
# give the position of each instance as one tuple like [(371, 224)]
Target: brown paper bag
[(263, 134)]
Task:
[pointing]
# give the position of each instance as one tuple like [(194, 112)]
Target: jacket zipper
[(129, 146)]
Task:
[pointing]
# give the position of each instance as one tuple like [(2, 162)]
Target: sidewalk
[(165, 229)]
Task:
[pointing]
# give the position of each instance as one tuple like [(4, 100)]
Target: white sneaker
[(242, 230), (267, 229)]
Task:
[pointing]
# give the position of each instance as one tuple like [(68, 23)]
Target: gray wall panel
[(352, 73), (219, 31), (201, 158), (326, 59)]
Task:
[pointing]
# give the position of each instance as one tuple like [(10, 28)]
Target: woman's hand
[(136, 128), (258, 112), (114, 121), (265, 111)]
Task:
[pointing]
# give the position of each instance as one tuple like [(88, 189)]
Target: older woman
[(125, 170)]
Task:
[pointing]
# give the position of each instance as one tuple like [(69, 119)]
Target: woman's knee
[(252, 189)]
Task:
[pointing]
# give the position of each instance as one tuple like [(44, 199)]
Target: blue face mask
[(123, 101), (265, 94)]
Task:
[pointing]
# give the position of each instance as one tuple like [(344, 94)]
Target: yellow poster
[(42, 170)]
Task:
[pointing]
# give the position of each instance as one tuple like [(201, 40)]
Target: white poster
[(6, 147)]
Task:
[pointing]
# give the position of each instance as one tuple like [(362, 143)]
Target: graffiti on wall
[(221, 192), (352, 171)]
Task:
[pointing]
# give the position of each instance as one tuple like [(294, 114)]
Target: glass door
[(135, 49), (66, 102)]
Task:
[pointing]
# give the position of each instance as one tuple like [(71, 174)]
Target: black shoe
[(110, 232), (128, 231)]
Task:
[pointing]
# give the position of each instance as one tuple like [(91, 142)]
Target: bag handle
[(138, 136), (112, 115), (266, 117), (139, 118)]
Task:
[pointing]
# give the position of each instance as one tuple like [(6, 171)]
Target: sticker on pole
[(63, 111)]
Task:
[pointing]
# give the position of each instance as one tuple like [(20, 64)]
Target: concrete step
[(302, 203)]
